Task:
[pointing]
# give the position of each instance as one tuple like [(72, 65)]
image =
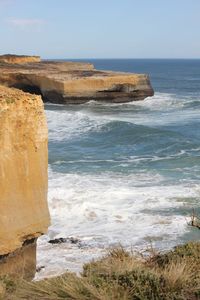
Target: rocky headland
[(72, 82), (24, 214), (19, 59)]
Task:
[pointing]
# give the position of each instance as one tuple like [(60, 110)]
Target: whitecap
[(109, 208)]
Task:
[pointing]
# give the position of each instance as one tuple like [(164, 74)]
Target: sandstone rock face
[(24, 212), (21, 262), (74, 83), (18, 59)]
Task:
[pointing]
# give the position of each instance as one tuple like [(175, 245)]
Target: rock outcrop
[(74, 83), (24, 212), (18, 59)]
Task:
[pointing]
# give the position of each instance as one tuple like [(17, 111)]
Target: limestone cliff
[(72, 82), (18, 59), (23, 178)]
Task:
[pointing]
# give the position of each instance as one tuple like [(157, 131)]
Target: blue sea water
[(125, 173)]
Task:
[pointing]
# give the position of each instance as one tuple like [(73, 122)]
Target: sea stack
[(72, 82), (24, 214)]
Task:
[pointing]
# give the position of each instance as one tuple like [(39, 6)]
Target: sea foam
[(135, 177)]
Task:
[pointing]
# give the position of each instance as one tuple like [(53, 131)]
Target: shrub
[(122, 276)]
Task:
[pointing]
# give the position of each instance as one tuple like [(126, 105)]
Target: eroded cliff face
[(18, 59), (74, 83), (24, 212)]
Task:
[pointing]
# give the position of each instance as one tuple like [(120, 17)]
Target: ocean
[(125, 174)]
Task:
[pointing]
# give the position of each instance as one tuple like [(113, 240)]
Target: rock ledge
[(74, 83), (18, 59)]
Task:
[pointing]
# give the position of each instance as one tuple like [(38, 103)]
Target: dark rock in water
[(40, 268), (74, 240), (61, 240), (58, 241)]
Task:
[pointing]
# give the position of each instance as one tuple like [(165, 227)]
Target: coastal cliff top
[(74, 82), (60, 70), (10, 95), (19, 59)]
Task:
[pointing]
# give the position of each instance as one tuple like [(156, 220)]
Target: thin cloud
[(26, 23)]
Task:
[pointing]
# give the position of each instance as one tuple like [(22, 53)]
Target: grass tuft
[(120, 275)]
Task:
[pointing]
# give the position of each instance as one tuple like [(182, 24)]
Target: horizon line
[(126, 58)]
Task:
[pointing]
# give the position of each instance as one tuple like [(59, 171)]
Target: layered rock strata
[(75, 83), (18, 59), (24, 214)]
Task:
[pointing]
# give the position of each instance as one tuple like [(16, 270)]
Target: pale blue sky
[(101, 28)]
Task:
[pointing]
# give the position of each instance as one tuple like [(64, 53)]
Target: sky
[(101, 28)]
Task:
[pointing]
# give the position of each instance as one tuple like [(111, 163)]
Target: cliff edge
[(75, 82), (18, 59), (24, 212)]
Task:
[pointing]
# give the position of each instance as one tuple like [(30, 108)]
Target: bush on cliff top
[(121, 276)]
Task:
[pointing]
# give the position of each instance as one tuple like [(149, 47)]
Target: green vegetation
[(122, 276)]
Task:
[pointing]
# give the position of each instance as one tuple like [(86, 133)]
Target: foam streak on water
[(122, 173)]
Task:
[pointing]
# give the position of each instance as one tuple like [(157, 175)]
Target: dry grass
[(117, 261), (122, 276)]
